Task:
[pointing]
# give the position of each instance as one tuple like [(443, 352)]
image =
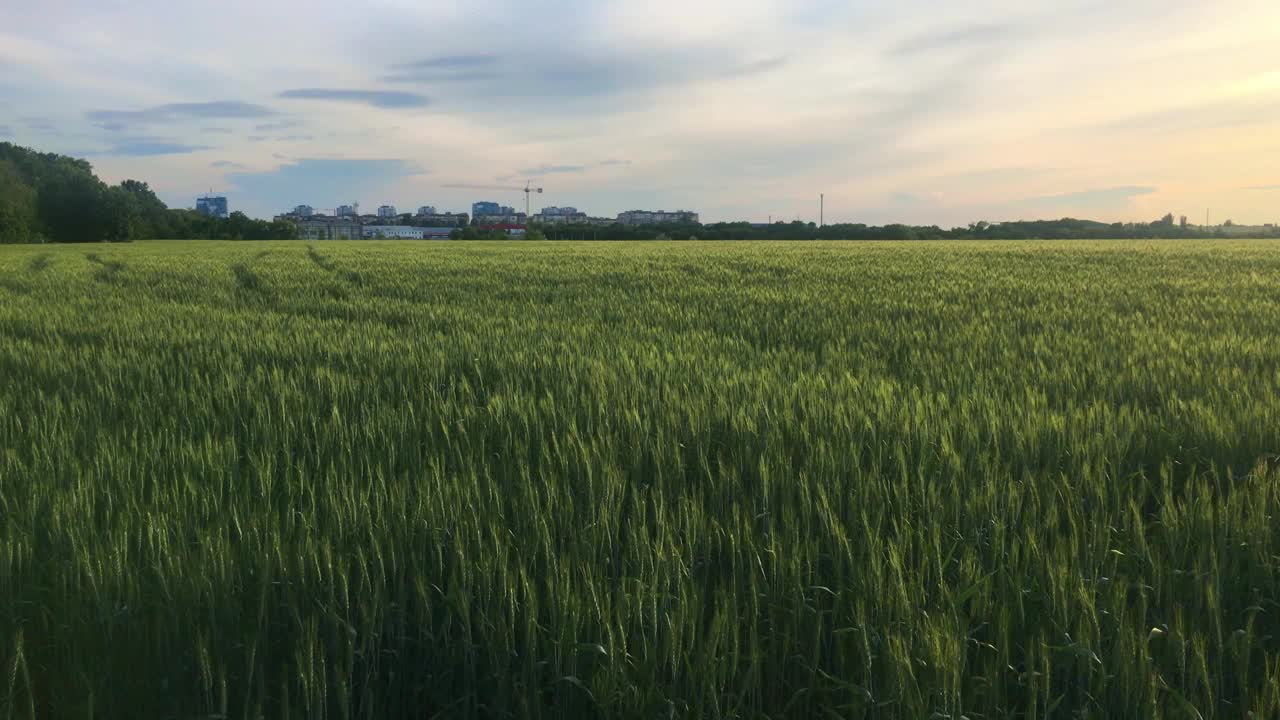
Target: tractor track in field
[(248, 280), (320, 261), (20, 285), (108, 271), (13, 284), (39, 263), (346, 277)]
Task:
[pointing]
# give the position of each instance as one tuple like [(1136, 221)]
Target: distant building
[(387, 211), (304, 211), (560, 216), (506, 227), (427, 210), (655, 217), (491, 209), (444, 219), (485, 208), (212, 205), (405, 232), (1234, 230), (346, 211), (393, 232), (327, 228), (506, 216)]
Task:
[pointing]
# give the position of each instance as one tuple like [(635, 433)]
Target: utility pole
[(822, 209)]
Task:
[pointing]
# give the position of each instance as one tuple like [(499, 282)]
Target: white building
[(393, 232), (387, 211), (427, 210)]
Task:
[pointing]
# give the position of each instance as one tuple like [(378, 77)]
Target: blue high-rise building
[(212, 205), (485, 208)]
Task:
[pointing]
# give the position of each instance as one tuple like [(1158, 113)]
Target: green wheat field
[(650, 480)]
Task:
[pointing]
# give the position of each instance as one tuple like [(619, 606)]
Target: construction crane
[(528, 191)]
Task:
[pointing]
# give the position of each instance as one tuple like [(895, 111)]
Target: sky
[(905, 111)]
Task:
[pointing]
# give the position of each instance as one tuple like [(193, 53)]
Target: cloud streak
[(150, 147), (758, 67), (1098, 196), (451, 62), (281, 125), (542, 170), (1212, 115), (555, 79), (964, 38), (39, 124), (390, 99), (175, 112), (447, 69)]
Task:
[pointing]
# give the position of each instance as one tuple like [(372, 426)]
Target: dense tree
[(153, 219), (117, 215), (44, 196), (70, 205), (18, 221)]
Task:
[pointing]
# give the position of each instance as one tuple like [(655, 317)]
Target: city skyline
[(994, 110), (482, 210)]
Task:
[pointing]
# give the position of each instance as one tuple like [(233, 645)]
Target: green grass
[(685, 480)]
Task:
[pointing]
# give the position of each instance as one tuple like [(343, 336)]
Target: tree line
[(46, 197), (1064, 229)]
